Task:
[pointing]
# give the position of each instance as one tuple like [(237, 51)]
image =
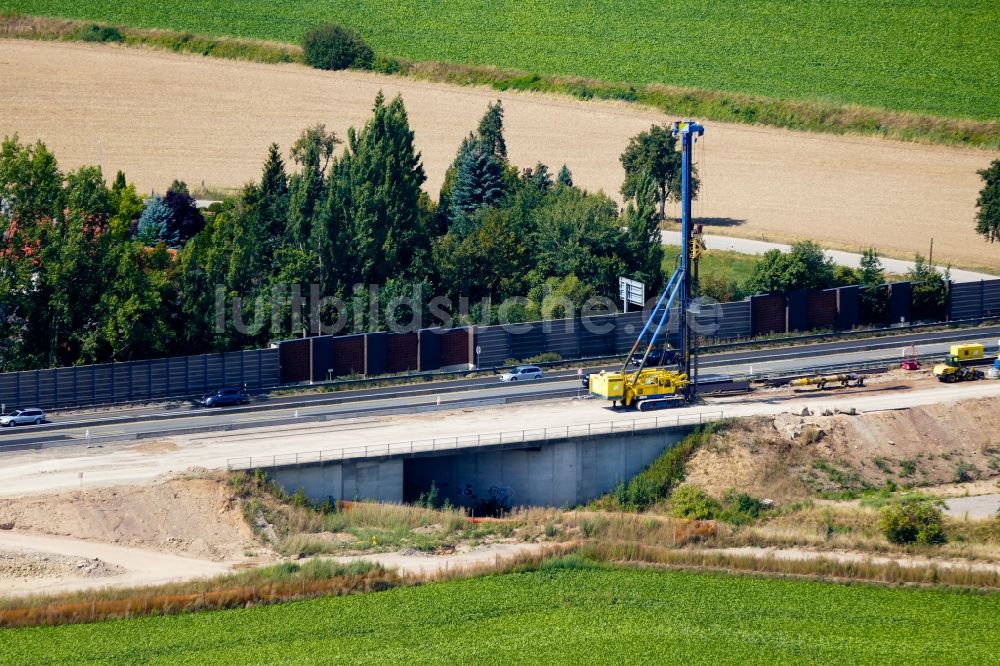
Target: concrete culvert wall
[(563, 472)]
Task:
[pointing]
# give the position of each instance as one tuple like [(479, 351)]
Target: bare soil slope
[(196, 518), (792, 456), (162, 116)]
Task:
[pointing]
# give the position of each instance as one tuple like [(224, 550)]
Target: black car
[(223, 397), (657, 357)]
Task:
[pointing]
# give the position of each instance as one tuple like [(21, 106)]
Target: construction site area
[(128, 514), (794, 450)]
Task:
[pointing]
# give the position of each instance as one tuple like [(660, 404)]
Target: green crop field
[(556, 615), (930, 56)]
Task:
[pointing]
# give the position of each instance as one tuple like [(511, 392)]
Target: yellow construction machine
[(952, 369), (649, 388)]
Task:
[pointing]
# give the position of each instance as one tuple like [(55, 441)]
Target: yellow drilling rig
[(651, 388)]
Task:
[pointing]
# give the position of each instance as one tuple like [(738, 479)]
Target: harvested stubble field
[(568, 612), (926, 56), (163, 116)]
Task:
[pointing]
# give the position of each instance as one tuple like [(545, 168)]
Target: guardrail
[(525, 436)]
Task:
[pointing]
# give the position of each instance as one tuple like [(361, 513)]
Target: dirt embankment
[(197, 518), (792, 456)]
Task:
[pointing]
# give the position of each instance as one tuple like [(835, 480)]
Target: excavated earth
[(796, 455)]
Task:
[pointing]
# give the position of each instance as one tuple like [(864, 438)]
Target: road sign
[(579, 372), (479, 350), (631, 291)]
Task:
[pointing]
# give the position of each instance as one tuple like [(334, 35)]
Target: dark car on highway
[(224, 397), (657, 357)]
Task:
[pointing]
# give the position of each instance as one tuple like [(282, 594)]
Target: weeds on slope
[(264, 585), (295, 526)]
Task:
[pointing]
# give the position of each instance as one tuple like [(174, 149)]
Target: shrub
[(692, 502), (544, 357), (912, 522), (965, 472), (741, 509), (299, 499), (99, 33), (429, 500), (334, 47)]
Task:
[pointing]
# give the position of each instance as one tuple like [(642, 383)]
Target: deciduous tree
[(654, 154), (988, 203)]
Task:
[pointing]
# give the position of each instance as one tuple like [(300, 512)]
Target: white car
[(22, 416), (521, 373)]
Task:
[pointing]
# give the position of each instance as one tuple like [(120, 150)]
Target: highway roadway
[(151, 422)]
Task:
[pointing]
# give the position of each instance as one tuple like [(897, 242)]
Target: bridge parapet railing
[(524, 436)]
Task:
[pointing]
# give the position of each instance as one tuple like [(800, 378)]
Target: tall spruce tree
[(479, 182), (156, 223), (490, 131), (273, 197), (565, 177), (374, 210)]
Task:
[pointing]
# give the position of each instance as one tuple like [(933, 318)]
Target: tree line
[(806, 266), (91, 273)]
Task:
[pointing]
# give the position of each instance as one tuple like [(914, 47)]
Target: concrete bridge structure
[(564, 466)]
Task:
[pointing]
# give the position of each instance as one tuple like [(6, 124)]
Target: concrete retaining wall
[(352, 480)]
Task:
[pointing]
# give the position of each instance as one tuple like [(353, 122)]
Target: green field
[(928, 56), (556, 615), (722, 264)]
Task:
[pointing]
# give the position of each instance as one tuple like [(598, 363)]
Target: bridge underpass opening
[(560, 473)]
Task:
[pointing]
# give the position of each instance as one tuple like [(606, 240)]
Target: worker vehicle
[(521, 373), (650, 387), (22, 417), (954, 368)]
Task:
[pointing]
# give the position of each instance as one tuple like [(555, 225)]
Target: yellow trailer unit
[(967, 352)]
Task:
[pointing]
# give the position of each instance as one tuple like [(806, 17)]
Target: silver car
[(521, 373), (23, 416)]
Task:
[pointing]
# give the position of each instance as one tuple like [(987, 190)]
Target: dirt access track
[(161, 116)]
